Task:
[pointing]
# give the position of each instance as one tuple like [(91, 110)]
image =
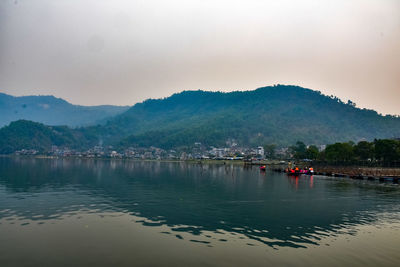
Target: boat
[(263, 168), (293, 173)]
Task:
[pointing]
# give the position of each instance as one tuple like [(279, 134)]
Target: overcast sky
[(124, 51)]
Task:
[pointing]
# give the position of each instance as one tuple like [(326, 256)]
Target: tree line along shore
[(378, 153)]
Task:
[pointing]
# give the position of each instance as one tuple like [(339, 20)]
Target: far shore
[(275, 165)]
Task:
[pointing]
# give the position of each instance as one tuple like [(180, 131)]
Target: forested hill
[(52, 111), (24, 134), (277, 114)]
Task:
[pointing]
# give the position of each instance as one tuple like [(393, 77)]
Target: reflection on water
[(204, 204)]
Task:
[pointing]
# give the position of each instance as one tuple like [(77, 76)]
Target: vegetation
[(278, 115), (269, 151), (299, 151), (382, 152), (24, 134)]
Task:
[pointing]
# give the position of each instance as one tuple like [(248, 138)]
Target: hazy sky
[(121, 52)]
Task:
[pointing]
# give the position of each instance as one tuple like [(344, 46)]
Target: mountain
[(275, 114), (53, 111)]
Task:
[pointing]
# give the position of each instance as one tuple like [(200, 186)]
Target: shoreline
[(276, 165)]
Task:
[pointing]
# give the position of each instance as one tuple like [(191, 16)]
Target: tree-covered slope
[(52, 111), (278, 114), (24, 134)]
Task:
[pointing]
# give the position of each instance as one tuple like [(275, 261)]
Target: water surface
[(72, 212)]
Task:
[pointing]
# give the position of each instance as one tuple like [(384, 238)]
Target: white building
[(260, 151)]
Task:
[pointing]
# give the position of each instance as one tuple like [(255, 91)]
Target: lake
[(81, 212)]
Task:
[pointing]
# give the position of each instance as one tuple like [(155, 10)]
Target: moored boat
[(296, 171)]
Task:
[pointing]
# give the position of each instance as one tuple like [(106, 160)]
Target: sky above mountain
[(120, 52)]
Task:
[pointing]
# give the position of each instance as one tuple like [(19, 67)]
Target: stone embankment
[(360, 171), (367, 173)]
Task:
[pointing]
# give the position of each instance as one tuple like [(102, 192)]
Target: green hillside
[(277, 114), (24, 134)]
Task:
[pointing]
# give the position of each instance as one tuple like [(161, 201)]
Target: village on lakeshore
[(197, 152), (382, 152), (379, 159)]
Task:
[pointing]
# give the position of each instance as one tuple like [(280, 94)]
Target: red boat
[(296, 171), (263, 168)]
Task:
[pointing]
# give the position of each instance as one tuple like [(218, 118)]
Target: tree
[(312, 152), (270, 150), (364, 150), (299, 150), (340, 152), (387, 150)]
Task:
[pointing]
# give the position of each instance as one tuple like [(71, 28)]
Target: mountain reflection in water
[(268, 208)]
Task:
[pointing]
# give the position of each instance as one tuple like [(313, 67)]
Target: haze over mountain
[(122, 52), (53, 111), (275, 114)]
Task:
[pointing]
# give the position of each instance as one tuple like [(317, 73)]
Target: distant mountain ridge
[(278, 114), (53, 111)]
